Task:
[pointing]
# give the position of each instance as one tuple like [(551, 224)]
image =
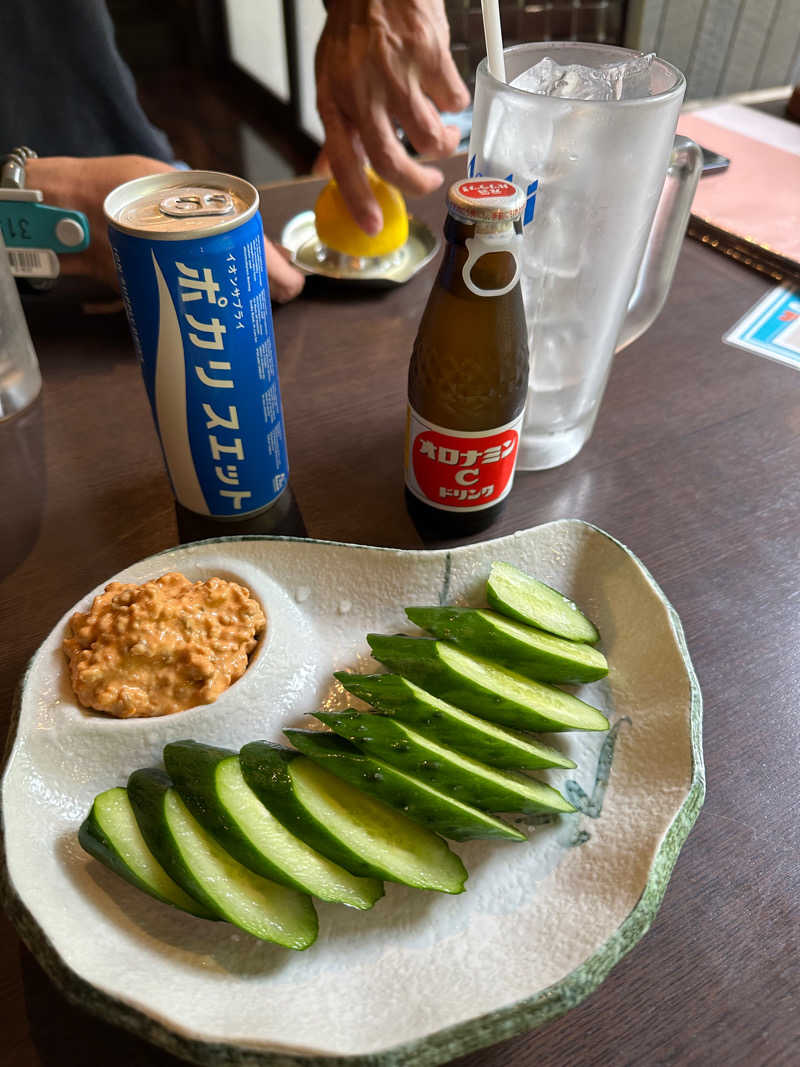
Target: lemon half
[(338, 230)]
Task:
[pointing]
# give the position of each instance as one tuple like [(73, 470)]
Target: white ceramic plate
[(541, 923)]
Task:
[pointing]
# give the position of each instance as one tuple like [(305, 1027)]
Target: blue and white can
[(189, 250)]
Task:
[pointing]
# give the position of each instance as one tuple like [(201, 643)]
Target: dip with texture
[(161, 647)]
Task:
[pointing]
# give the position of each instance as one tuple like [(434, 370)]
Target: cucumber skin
[(474, 632), (93, 839), (570, 622), (266, 770), (192, 767), (147, 789), (347, 762), (391, 695), (417, 659), (385, 739)]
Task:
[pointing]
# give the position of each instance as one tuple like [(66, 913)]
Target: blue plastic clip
[(30, 223), (34, 232)]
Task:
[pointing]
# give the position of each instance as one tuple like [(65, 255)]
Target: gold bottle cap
[(485, 200)]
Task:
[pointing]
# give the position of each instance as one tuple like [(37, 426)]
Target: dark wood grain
[(693, 464)]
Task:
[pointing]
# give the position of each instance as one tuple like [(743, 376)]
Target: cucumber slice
[(111, 834), (485, 741), (342, 822), (420, 801), (480, 686), (520, 648), (466, 779), (205, 870), (211, 783), (517, 595)]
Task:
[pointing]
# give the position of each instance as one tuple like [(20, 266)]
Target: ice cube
[(627, 79), (548, 78), (631, 77)]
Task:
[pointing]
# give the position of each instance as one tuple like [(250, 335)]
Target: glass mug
[(20, 379), (603, 228)]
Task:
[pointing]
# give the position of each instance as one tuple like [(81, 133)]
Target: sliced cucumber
[(517, 595), (419, 800), (204, 869), (211, 783), (480, 686), (464, 778), (111, 834), (444, 722), (520, 648), (361, 833)]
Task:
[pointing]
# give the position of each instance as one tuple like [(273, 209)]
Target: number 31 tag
[(35, 233)]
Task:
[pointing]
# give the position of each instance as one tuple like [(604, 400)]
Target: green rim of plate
[(446, 1044)]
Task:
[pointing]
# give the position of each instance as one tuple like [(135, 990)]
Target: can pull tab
[(197, 202), (484, 244)]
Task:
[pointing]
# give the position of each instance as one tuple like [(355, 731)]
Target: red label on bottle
[(456, 470), (484, 187)]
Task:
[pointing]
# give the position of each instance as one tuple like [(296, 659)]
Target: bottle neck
[(457, 232), (492, 271)]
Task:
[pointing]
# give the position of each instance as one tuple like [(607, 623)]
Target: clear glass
[(20, 380), (595, 172)]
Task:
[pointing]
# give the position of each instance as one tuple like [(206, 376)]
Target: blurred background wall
[(722, 46)]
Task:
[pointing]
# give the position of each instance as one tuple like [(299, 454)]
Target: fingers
[(390, 159), (452, 139), (342, 148), (321, 167), (437, 69), (444, 85), (285, 281), (422, 124)]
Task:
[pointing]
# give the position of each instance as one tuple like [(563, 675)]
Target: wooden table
[(693, 464)]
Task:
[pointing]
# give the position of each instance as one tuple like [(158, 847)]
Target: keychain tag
[(33, 232), (33, 263)]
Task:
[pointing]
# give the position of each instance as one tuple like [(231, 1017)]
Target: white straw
[(494, 39)]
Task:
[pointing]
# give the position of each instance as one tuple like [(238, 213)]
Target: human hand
[(285, 281), (381, 62), (83, 184)]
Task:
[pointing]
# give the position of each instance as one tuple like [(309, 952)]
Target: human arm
[(83, 184)]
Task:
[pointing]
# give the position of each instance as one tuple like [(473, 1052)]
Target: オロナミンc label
[(460, 470)]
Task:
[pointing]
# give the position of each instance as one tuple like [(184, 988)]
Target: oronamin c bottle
[(468, 377)]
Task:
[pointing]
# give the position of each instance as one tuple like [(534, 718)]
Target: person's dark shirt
[(66, 89)]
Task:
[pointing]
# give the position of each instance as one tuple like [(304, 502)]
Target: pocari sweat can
[(189, 251)]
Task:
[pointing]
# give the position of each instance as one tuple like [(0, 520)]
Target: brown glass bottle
[(468, 376), (281, 519)]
